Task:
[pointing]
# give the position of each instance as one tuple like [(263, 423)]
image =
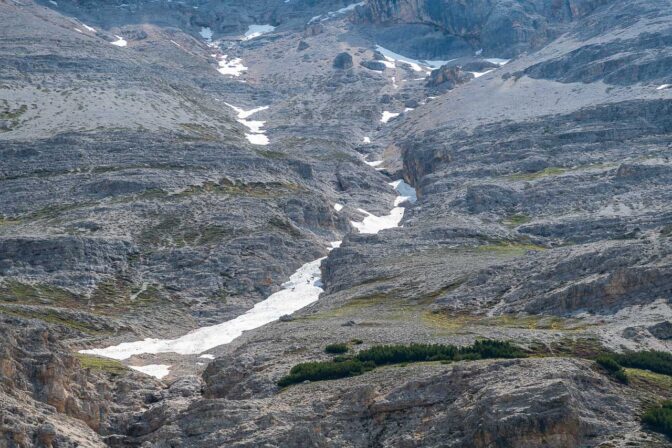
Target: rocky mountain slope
[(167, 166)]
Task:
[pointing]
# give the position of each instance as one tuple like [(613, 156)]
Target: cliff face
[(501, 27)]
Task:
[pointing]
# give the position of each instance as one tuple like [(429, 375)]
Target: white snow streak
[(257, 30), (302, 289), (338, 207), (89, 28), (120, 42), (256, 135), (207, 356), (416, 64), (387, 116), (332, 14), (664, 87)]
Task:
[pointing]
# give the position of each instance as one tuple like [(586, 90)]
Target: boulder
[(343, 61)]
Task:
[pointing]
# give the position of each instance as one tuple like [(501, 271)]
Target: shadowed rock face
[(501, 27)]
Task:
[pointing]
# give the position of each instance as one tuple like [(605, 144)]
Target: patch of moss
[(509, 248), (52, 317), (101, 364), (10, 114), (516, 220), (269, 154), (26, 294), (550, 171)]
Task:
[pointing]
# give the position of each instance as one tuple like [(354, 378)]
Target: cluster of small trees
[(365, 360), (652, 360), (608, 363), (659, 418), (655, 361)]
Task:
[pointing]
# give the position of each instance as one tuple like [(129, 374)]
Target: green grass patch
[(509, 248), (13, 114), (101, 364), (365, 360), (516, 220), (52, 317), (546, 172)]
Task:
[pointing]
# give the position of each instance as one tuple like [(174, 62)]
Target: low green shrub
[(336, 349), (655, 361), (327, 370), (608, 363), (365, 360), (659, 418)]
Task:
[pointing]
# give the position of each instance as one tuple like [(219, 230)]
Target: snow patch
[(302, 289), (366, 140), (89, 28), (206, 33), (257, 30), (155, 370), (338, 207), (257, 139), (664, 87), (120, 42), (231, 67), (207, 356), (406, 192), (387, 116), (256, 135), (373, 224)]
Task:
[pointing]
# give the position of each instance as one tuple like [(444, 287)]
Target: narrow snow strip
[(78, 30), (257, 30), (207, 356), (498, 61), (664, 86), (387, 116), (155, 370), (375, 163), (120, 42), (89, 28), (232, 67), (332, 14), (479, 74), (206, 33), (142, 289), (302, 289), (416, 64), (338, 207)]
